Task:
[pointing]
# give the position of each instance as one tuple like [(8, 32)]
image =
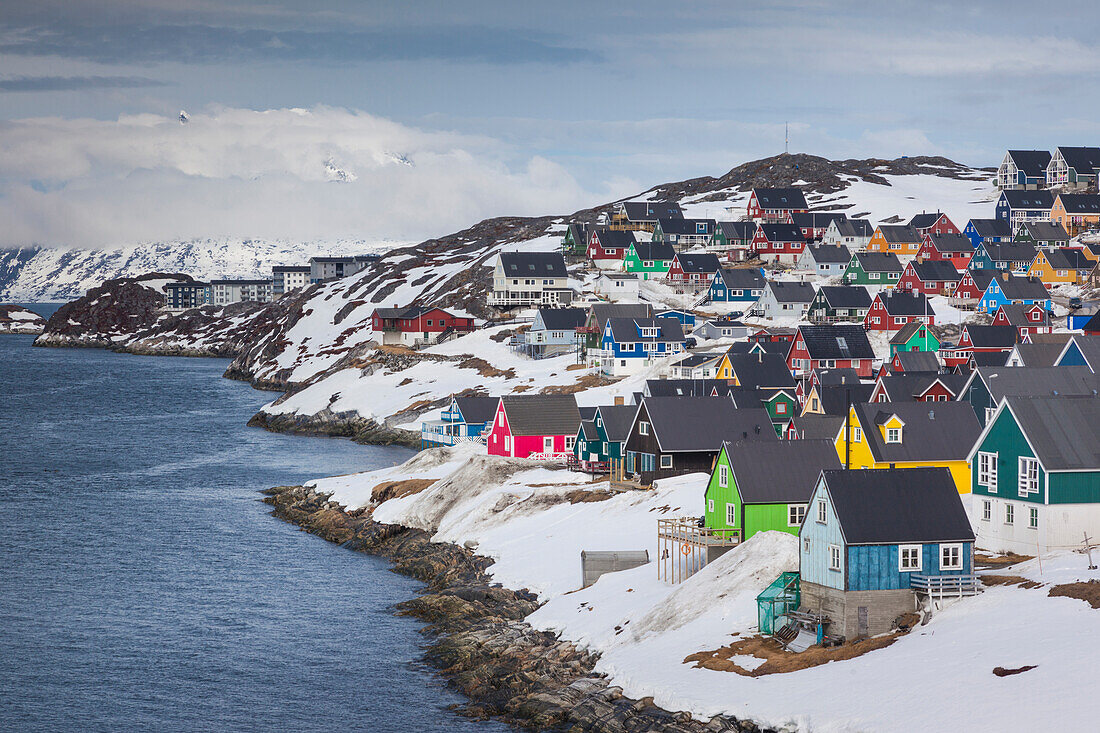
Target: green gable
[(632, 263), (725, 511), (1006, 442), (922, 340)]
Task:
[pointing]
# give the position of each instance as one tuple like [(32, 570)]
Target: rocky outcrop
[(336, 425), (480, 643), (15, 319)]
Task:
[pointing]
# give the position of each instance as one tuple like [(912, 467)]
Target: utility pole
[(786, 137)]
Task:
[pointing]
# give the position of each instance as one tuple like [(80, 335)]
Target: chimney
[(619, 400), (1004, 275)]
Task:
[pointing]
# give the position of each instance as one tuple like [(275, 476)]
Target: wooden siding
[(814, 541), (1074, 487), (1007, 440), (875, 567)]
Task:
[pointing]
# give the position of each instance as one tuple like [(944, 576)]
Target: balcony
[(945, 586), (684, 545)]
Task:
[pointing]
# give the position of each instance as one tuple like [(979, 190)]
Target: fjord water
[(143, 586)]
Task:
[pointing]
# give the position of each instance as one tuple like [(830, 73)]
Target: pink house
[(534, 426)]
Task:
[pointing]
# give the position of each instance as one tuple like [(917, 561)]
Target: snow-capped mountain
[(54, 274)]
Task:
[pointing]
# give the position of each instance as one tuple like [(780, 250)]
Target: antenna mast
[(786, 137)]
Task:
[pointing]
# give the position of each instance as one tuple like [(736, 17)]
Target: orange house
[(1063, 265), (902, 240), (1076, 212)]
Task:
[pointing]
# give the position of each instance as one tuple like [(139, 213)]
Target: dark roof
[(615, 238), (837, 375), (1010, 251), (788, 291), (925, 220), (743, 278), (1039, 355), (981, 277), (1046, 231), (761, 370), (991, 228), (602, 311), (991, 336), (768, 347), (617, 420), (686, 424), (846, 296), (686, 387), (408, 312), (588, 430), (907, 387), (989, 358), (817, 219), (1032, 163), (695, 359), (1089, 346), (897, 233), (1029, 381), (291, 268), (781, 472), (477, 409), (587, 413), (936, 270), (782, 233), (780, 198), (539, 264), (1063, 431), (879, 262), (1092, 324), (542, 414), (918, 361), (1068, 259), (824, 427), (1080, 203), (835, 398), (907, 331), (651, 210), (649, 251), (1022, 288), (699, 262), (897, 506), (855, 228), (737, 229), (563, 319), (951, 242), (1017, 314), (628, 330), (823, 253), (906, 303), (1082, 160), (836, 341), (933, 431), (679, 225), (1016, 199)]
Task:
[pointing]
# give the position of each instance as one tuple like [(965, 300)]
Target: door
[(548, 444), (861, 620)]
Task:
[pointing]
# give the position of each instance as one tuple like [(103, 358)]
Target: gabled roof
[(477, 409), (907, 387), (781, 233), (898, 506), (855, 228), (1017, 315), (736, 229), (1068, 259), (615, 238), (835, 398), (780, 198), (925, 220), (589, 430), (1028, 381), (1081, 203), (1082, 160), (761, 370), (1017, 199), (1010, 251), (1063, 431), (817, 219), (679, 225), (602, 311), (617, 420), (690, 360), (879, 262), (907, 332), (1092, 324), (1089, 346), (743, 278), (826, 253), (934, 431), (686, 387), (542, 414), (836, 341), (906, 303), (1032, 163), (533, 264), (628, 330), (651, 210), (836, 375), (581, 231), (935, 270), (687, 424), (989, 358), (991, 228), (952, 242), (980, 277), (1039, 355), (408, 312), (788, 291), (1022, 288), (900, 234), (1046, 231), (817, 427), (699, 262), (563, 319), (781, 472), (918, 361), (988, 337), (768, 347), (649, 251), (845, 296)]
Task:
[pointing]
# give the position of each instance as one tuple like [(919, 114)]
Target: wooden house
[(994, 231), (1026, 319), (695, 365), (552, 333), (1023, 170), (914, 336), (618, 286), (642, 216), (814, 224), (901, 240), (825, 260), (1036, 474), (463, 421), (722, 327), (986, 387), (676, 435), (835, 399), (917, 386), (1041, 354), (785, 299), (975, 338), (1073, 168), (418, 325), (892, 310), (851, 233), (1042, 234), (1076, 212), (741, 285), (954, 248), (725, 367), (831, 346), (930, 277), (1060, 266), (971, 287), (834, 303), (874, 268), (608, 247), (1009, 288), (910, 434), (775, 205), (649, 260), (692, 272), (1081, 350), (778, 243), (541, 427), (575, 240), (873, 540), (1017, 207), (630, 345), (732, 240), (1013, 257), (530, 278), (596, 319), (760, 487), (600, 440), (937, 222), (684, 233)]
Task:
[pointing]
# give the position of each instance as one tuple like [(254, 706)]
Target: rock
[(15, 319)]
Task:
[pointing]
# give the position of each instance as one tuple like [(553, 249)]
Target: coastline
[(479, 640)]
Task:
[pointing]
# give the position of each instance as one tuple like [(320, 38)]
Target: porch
[(685, 546)]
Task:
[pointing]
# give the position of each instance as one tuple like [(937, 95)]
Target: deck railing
[(944, 586), (683, 545)]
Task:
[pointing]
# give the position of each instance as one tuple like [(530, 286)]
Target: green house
[(781, 405), (1035, 474), (873, 268), (600, 440), (575, 241), (650, 260), (757, 486), (914, 336)]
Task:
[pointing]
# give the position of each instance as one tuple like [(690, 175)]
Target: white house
[(825, 260), (852, 233), (785, 299), (618, 285), (529, 278)]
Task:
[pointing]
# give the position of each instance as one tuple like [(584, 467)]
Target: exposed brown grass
[(580, 496), (1009, 580), (780, 661), (574, 367), (586, 382), (390, 349), (397, 489), (997, 561), (1005, 672), (1087, 591), (485, 369), (521, 388)]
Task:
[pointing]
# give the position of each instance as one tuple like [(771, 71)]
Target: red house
[(919, 386), (773, 335), (972, 284), (1026, 319), (892, 310), (416, 325), (934, 223), (979, 339), (608, 247), (540, 427), (778, 242), (775, 205), (693, 270), (931, 277), (833, 346), (954, 248)]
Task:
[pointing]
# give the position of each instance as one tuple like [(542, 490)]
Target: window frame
[(663, 463), (822, 512), (723, 476), (905, 564), (987, 474), (795, 509), (1026, 484), (731, 514), (958, 560), (836, 559)]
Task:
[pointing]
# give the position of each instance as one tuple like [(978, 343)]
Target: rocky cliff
[(15, 319)]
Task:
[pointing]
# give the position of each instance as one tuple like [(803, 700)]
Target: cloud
[(73, 83), (267, 173)]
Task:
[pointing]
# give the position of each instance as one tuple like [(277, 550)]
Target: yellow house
[(902, 240), (1057, 266), (910, 435)]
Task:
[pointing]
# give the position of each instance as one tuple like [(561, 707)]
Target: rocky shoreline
[(336, 425), (479, 640)]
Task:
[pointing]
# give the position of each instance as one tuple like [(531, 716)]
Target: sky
[(404, 120)]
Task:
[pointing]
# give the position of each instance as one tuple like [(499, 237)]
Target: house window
[(795, 514), (893, 435), (987, 510), (1028, 476), (1010, 514), (780, 408), (570, 441), (987, 471), (834, 557), (643, 428), (1033, 518), (731, 515), (857, 435), (723, 476), (909, 558), (951, 557), (666, 461), (500, 419), (989, 413), (814, 404), (822, 515), (710, 505)]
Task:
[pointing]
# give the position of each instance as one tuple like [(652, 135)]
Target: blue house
[(1009, 288), (1003, 256), (463, 421), (737, 286), (629, 345), (686, 318), (1081, 351), (1017, 207), (874, 541), (994, 231)]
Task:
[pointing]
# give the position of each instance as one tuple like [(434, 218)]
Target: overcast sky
[(446, 112)]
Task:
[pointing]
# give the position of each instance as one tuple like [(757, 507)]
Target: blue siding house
[(875, 542), (629, 345), (463, 421), (995, 231), (1017, 207), (686, 318), (737, 286), (1009, 288)]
